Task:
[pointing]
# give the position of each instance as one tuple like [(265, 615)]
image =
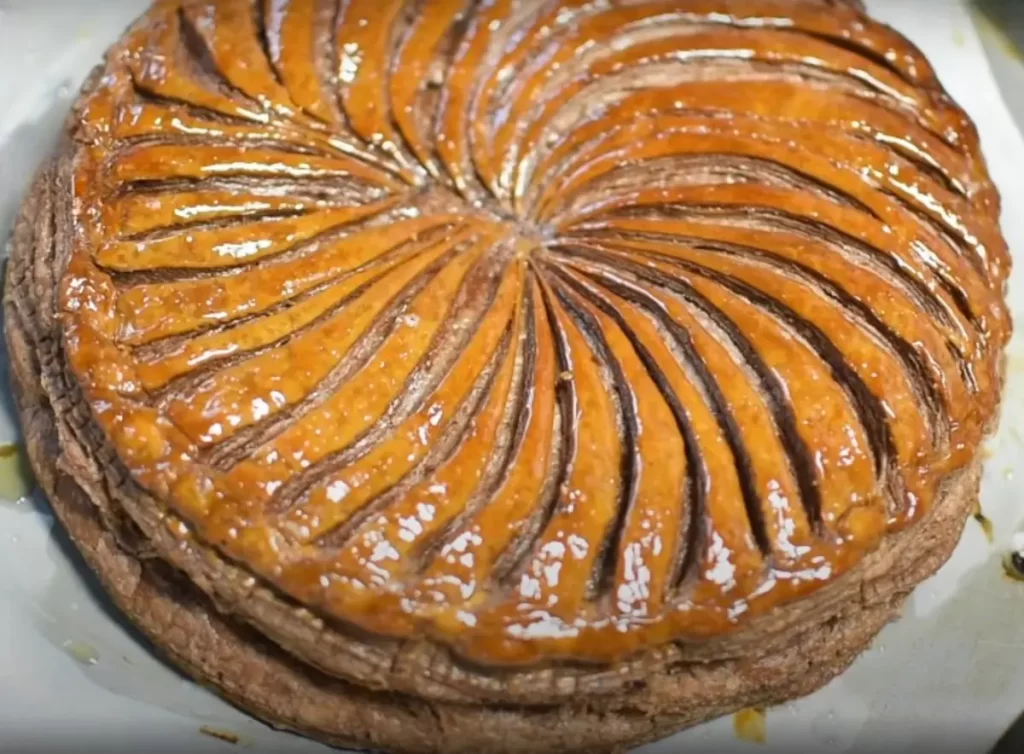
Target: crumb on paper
[(220, 735), (986, 526), (959, 39), (1010, 568), (1013, 560), (751, 725), (16, 478), (81, 652), (985, 523)]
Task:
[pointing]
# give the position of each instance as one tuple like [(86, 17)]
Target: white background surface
[(950, 674)]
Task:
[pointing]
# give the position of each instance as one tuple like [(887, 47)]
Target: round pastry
[(519, 376)]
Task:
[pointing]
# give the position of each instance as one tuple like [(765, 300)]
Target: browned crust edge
[(263, 680)]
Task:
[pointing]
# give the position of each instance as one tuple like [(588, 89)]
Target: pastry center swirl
[(543, 329)]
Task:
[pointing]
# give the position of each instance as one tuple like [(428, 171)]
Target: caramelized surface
[(544, 329)]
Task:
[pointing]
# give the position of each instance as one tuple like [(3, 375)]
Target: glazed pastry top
[(543, 329)]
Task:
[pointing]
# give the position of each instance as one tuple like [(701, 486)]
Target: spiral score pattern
[(544, 329)]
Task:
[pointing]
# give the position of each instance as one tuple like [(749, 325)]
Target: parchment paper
[(950, 674)]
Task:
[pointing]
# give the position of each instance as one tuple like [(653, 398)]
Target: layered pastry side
[(510, 375)]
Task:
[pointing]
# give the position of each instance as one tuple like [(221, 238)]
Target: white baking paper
[(950, 674)]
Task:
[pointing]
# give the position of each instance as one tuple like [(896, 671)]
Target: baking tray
[(949, 674)]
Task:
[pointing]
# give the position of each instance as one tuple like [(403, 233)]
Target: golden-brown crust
[(241, 665), (254, 674), (563, 331)]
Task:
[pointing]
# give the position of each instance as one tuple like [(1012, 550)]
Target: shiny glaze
[(581, 328)]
